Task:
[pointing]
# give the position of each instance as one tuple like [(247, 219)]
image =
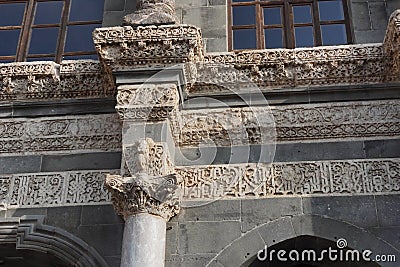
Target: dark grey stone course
[(67, 218), (388, 209), (102, 214), (319, 151), (389, 234), (114, 5), (258, 211), (373, 36), (106, 239), (87, 161), (113, 261), (5, 111), (206, 237), (360, 15), (358, 210), (219, 210), (389, 148), (113, 18), (26, 211), (172, 239), (277, 231), (378, 15), (66, 107), (20, 164)]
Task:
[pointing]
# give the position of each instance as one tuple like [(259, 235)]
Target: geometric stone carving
[(391, 46), (269, 69), (29, 233), (235, 126), (47, 80), (148, 102), (338, 177), (152, 12), (378, 176), (55, 134), (54, 189)]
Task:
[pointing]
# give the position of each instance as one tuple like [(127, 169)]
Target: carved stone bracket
[(159, 197), (391, 46), (152, 12)]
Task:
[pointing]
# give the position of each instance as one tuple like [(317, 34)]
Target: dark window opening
[(259, 24), (32, 30)]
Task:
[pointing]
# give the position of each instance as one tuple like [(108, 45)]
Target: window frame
[(288, 25), (27, 25)]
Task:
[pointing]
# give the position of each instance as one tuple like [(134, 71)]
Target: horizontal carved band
[(380, 176), (309, 122), (94, 132), (54, 189), (299, 178), (48, 80)]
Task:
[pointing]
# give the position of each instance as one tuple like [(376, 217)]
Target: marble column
[(144, 241), (152, 12)]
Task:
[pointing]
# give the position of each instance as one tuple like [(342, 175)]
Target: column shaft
[(144, 241)]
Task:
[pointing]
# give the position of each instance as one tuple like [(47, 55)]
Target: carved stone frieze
[(55, 134), (277, 68), (29, 81), (391, 46), (297, 178), (152, 12), (238, 126), (160, 196), (125, 48), (148, 102), (54, 189)]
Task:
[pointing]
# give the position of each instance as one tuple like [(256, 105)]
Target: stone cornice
[(126, 48), (34, 81)]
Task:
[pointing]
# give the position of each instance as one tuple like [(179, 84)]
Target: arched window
[(258, 24), (54, 30)]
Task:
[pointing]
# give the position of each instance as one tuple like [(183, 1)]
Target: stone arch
[(29, 233), (245, 248)]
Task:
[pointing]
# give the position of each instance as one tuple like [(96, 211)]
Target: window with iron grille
[(259, 24), (53, 30)]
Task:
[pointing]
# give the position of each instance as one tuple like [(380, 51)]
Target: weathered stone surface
[(152, 12), (192, 239), (388, 209)]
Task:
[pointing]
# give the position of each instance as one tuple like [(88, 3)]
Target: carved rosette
[(160, 198), (152, 12), (147, 102)]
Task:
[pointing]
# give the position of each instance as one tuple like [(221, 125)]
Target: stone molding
[(33, 81), (324, 178), (375, 176), (307, 123), (60, 134), (29, 233), (54, 189)]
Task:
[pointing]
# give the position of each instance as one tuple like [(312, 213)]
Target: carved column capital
[(159, 197), (152, 12)]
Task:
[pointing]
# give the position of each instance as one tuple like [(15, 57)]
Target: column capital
[(158, 196)]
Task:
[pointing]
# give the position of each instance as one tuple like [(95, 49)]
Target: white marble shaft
[(144, 241)]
